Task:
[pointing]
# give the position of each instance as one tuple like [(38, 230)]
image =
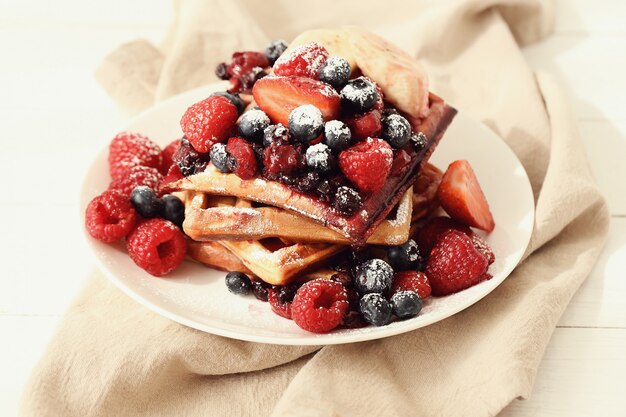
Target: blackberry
[(374, 275), (419, 141), (275, 49), (337, 135), (220, 157), (375, 309), (396, 130), (276, 133), (406, 304), (347, 200), (189, 160), (335, 71), (359, 95), (233, 97), (259, 289), (222, 71), (309, 182), (320, 158), (325, 191), (343, 278), (285, 293), (405, 257), (238, 283), (306, 123), (145, 201), (252, 124), (173, 209)]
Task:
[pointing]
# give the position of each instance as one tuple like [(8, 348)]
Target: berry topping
[(419, 141), (245, 159), (320, 158), (374, 275), (253, 123), (275, 49), (221, 158), (128, 150), (411, 281), (189, 161), (173, 209), (335, 71), (280, 298), (238, 283), (146, 202), (259, 289), (367, 164), (463, 199), (306, 123), (136, 176), (359, 95), (233, 97), (347, 200), (396, 130), (276, 133), (280, 159), (366, 125), (301, 61), (455, 264), (319, 305), (208, 122), (309, 182), (428, 235), (406, 304), (342, 277), (375, 309), (244, 70), (167, 156), (157, 246), (404, 257), (337, 135), (110, 216), (278, 96)]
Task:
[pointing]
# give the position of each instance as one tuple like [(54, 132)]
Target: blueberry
[(252, 124), (306, 123), (359, 95), (337, 135), (276, 133), (335, 71), (320, 158), (259, 289), (374, 275), (347, 200), (275, 49), (145, 201), (286, 293), (396, 130), (221, 158), (419, 141), (173, 209), (189, 161), (375, 309), (233, 97), (406, 304), (404, 257), (222, 71), (238, 283)]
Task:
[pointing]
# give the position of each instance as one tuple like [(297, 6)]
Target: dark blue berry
[(419, 141), (221, 158), (309, 182), (396, 130), (173, 209), (320, 158), (337, 135), (238, 283), (189, 161), (233, 97), (347, 200), (252, 124), (276, 133), (359, 95), (374, 275), (275, 49), (375, 309), (259, 289), (306, 123), (222, 71), (335, 71), (404, 257), (286, 293), (145, 201), (406, 304)]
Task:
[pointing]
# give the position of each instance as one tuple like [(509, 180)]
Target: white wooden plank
[(584, 16)]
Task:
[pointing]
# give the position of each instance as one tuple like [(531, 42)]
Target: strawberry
[(429, 233), (367, 164), (278, 96), (208, 122), (455, 264), (302, 61), (245, 159), (366, 125), (411, 281), (463, 199)]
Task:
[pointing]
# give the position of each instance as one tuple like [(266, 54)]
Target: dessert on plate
[(307, 181)]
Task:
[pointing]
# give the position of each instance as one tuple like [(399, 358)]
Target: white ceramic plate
[(197, 297)]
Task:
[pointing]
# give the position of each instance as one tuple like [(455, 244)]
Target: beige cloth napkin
[(113, 357)]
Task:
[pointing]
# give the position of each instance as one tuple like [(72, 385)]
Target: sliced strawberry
[(367, 164), (302, 61), (366, 125), (463, 199), (278, 96)]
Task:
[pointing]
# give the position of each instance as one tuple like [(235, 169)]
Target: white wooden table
[(54, 115)]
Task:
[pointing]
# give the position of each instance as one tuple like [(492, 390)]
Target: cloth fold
[(111, 356)]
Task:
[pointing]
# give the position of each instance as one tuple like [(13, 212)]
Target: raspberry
[(110, 216), (427, 236), (136, 176), (245, 159), (411, 281), (208, 122), (280, 299), (157, 246), (167, 155), (280, 159), (173, 174), (302, 61), (128, 149), (367, 164), (319, 305), (455, 264)]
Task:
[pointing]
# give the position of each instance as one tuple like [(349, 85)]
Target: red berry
[(319, 305), (245, 159), (128, 150), (302, 61), (278, 96), (483, 247), (110, 216), (243, 62), (280, 159), (173, 174), (455, 264), (208, 122), (367, 164), (366, 125), (428, 235), (136, 176), (462, 198), (167, 155), (157, 246), (411, 281)]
